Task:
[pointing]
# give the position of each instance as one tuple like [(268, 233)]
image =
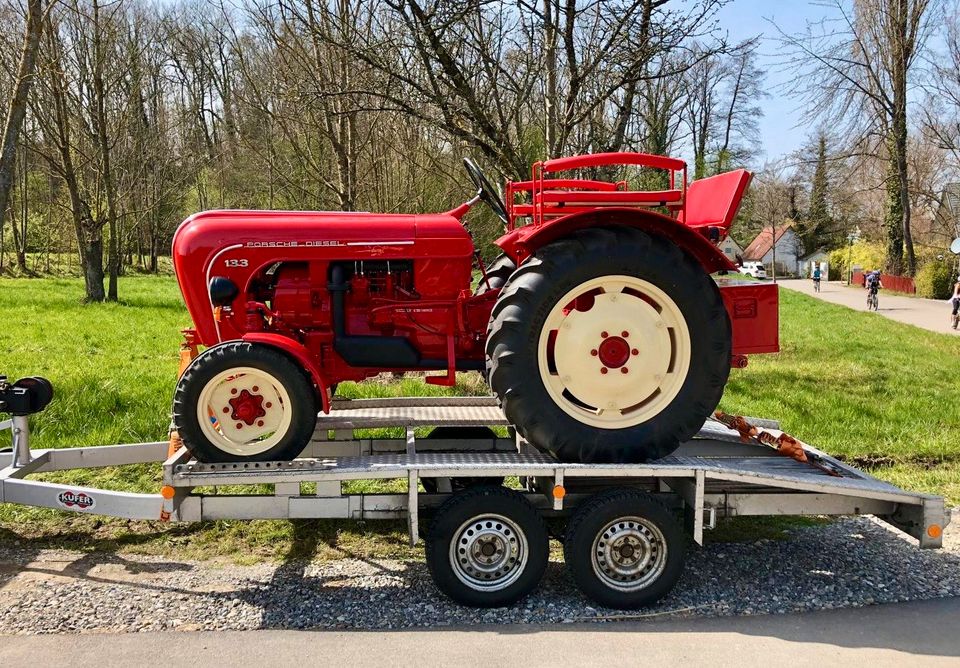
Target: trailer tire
[(594, 543), (487, 547), (277, 420), (609, 345), (498, 273)]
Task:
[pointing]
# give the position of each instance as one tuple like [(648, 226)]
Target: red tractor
[(600, 328)]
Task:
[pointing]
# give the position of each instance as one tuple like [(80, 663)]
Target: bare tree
[(855, 69), (17, 107), (472, 68), (741, 111), (721, 107), (80, 120)]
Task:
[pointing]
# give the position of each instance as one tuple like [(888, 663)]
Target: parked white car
[(755, 269)]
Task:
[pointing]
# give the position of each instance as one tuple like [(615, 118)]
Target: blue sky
[(742, 19)]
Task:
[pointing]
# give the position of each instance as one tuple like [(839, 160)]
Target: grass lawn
[(852, 383)]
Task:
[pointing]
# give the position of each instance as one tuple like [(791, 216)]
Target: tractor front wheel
[(611, 345), (244, 402)]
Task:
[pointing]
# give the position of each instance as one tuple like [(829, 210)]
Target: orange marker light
[(559, 492), (934, 531), (167, 492)]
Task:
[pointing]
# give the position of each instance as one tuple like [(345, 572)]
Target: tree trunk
[(19, 254), (894, 215), (902, 15), (93, 268), (551, 94), (113, 255), (89, 232), (903, 192), (17, 109)]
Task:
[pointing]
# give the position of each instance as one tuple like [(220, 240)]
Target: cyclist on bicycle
[(816, 279)]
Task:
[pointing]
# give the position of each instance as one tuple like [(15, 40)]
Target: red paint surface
[(410, 275)]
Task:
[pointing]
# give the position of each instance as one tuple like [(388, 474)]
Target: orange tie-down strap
[(785, 444)]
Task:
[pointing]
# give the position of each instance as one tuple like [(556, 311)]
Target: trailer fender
[(522, 242), (300, 354)]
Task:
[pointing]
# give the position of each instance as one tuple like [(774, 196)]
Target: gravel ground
[(850, 563)]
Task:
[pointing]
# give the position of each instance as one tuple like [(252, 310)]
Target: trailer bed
[(714, 475)]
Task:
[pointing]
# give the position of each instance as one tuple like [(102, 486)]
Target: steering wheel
[(485, 189)]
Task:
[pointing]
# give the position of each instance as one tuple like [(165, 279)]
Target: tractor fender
[(300, 354), (522, 242)]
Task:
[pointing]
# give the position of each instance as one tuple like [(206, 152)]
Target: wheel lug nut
[(233, 391), (594, 352), (603, 370), (259, 423), (255, 388), (270, 405), (624, 333), (226, 409), (634, 352), (239, 426), (603, 335), (624, 369)]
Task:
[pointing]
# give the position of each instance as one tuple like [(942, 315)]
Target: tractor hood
[(239, 244)]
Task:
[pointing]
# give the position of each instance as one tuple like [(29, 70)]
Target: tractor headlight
[(222, 291)]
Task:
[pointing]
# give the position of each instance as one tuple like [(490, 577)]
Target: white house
[(785, 247), (818, 258), (731, 248)]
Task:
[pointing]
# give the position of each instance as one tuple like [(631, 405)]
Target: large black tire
[(219, 359), (498, 273), (599, 533), (483, 516), (537, 287)]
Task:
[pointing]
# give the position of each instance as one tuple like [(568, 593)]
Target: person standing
[(955, 302), (873, 284)]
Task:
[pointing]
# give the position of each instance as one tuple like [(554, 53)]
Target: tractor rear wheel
[(243, 402), (610, 345)]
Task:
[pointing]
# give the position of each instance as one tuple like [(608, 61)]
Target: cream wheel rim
[(614, 351), (244, 411)]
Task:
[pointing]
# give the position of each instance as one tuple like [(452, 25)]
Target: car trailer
[(622, 525)]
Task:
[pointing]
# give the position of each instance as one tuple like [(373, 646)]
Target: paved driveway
[(902, 634), (926, 313)]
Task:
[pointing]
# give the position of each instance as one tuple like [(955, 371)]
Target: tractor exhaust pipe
[(372, 351)]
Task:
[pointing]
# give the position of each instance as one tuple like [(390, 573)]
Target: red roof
[(763, 243)]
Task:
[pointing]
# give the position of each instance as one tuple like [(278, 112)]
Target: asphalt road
[(912, 634), (926, 313)]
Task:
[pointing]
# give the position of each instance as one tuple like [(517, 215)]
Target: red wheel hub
[(247, 407), (614, 352)]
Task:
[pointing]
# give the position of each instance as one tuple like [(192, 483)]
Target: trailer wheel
[(610, 345), (244, 402), (497, 273), (624, 549), (487, 547)]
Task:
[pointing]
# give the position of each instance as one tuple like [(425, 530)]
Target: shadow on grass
[(286, 541)]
